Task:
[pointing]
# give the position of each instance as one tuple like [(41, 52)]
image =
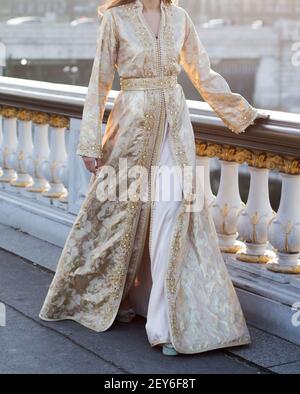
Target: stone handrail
[(43, 181)]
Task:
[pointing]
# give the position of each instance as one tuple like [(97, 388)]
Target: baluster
[(64, 175), (204, 162), (1, 140), (9, 145), (284, 230), (227, 206), (24, 150), (40, 153), (204, 153), (254, 219), (78, 177), (57, 163)]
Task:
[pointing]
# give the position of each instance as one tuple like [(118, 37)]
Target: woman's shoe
[(169, 350), (126, 315)]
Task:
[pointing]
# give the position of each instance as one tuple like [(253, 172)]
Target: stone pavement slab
[(268, 350), (289, 368), (29, 247), (27, 347), (23, 287), (32, 345)]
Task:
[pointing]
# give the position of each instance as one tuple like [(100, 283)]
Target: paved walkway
[(29, 345)]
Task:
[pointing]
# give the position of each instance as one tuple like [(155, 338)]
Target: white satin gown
[(168, 194)]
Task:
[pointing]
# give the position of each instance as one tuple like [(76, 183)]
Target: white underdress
[(168, 194)]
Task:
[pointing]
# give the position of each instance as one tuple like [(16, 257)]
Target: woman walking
[(192, 306)]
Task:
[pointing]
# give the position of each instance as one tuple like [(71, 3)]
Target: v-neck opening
[(147, 25), (150, 28)]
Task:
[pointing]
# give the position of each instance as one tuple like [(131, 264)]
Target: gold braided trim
[(287, 164), (91, 150), (148, 83)]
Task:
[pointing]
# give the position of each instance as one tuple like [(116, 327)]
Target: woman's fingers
[(90, 163), (99, 163)]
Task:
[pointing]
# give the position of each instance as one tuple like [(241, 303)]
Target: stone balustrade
[(253, 231), (43, 181)]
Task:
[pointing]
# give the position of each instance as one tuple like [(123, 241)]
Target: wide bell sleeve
[(101, 80), (232, 108)]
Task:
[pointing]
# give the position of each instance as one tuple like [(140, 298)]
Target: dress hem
[(161, 342), (153, 344), (216, 347)]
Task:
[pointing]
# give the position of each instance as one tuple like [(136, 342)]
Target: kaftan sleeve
[(100, 83), (232, 108)]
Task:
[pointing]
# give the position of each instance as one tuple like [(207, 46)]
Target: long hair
[(116, 3)]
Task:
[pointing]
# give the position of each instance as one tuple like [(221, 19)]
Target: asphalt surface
[(30, 345)]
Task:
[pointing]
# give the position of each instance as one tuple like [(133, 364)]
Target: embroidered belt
[(148, 83)]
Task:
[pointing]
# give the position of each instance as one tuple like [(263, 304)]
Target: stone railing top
[(279, 135)]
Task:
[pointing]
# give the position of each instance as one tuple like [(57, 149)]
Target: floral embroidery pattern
[(102, 253)]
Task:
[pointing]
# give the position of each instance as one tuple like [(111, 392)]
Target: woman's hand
[(92, 164)]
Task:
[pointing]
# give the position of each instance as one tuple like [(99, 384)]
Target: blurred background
[(250, 42)]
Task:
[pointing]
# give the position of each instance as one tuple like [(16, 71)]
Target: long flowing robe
[(103, 252)]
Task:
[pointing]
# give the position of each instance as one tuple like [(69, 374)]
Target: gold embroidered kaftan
[(103, 251)]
